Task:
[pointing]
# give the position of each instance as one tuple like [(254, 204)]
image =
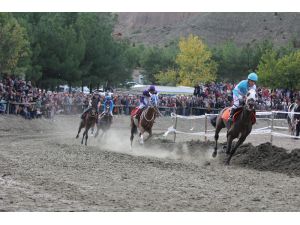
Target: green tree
[(195, 62), (157, 59), (231, 64), (14, 45), (169, 77), (267, 69), (288, 74)]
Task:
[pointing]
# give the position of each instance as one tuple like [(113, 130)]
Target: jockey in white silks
[(240, 91)]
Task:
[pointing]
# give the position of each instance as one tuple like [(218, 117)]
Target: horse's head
[(93, 112), (107, 109), (251, 98), (153, 100)]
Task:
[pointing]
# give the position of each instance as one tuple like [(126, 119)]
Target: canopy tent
[(183, 90)]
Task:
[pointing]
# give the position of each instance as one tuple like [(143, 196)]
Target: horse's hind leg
[(218, 129), (240, 141), (133, 131)]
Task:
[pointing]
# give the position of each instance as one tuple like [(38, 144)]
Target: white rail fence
[(270, 129)]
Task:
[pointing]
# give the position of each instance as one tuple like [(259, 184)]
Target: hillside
[(214, 28)]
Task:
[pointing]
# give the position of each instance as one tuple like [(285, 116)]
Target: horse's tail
[(213, 121), (133, 127)]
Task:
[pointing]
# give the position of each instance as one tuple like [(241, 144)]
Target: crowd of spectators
[(31, 102)]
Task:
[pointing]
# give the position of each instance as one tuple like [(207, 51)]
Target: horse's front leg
[(229, 144), (86, 135), (97, 131), (240, 141), (79, 129), (102, 134), (149, 136), (83, 135)]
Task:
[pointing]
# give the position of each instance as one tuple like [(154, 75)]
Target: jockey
[(240, 91), (108, 100), (145, 100), (94, 102)]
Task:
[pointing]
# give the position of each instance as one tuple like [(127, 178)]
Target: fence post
[(175, 126), (205, 128), (7, 107), (272, 126)]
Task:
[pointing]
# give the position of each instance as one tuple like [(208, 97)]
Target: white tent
[(166, 89)]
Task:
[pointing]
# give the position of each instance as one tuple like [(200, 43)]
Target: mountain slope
[(214, 28)]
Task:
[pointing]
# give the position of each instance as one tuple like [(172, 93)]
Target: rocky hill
[(214, 28)]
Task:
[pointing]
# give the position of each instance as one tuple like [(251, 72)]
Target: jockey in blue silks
[(108, 100), (240, 91)]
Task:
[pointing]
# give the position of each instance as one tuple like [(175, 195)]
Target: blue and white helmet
[(253, 77)]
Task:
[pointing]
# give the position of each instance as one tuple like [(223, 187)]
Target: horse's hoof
[(214, 154), (77, 136)]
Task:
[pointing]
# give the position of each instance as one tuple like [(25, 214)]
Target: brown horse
[(241, 127), (105, 121), (87, 122), (146, 121)]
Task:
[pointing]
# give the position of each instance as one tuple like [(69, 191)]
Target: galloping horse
[(104, 122), (243, 119), (87, 122), (145, 122)]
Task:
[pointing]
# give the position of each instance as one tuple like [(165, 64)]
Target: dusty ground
[(44, 168)]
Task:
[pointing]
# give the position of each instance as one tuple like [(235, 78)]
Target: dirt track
[(44, 168)]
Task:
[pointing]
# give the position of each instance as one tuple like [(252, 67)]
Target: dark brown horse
[(104, 123), (240, 128), (87, 122), (146, 121)]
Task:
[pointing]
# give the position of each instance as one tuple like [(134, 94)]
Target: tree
[(157, 59), (195, 62), (267, 69), (280, 72), (288, 74), (170, 77), (231, 64), (14, 45)]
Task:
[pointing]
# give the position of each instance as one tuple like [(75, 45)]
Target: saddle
[(226, 114), (136, 112)]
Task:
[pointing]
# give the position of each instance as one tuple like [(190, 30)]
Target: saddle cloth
[(226, 114), (134, 112)]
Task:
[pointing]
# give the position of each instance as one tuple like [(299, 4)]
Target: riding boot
[(85, 112), (230, 119)]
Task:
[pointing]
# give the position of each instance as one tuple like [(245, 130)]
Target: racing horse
[(243, 120), (104, 123), (291, 120), (294, 118), (146, 121), (87, 122)]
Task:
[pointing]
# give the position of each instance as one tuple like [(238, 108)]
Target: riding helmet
[(253, 76), (152, 88)]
